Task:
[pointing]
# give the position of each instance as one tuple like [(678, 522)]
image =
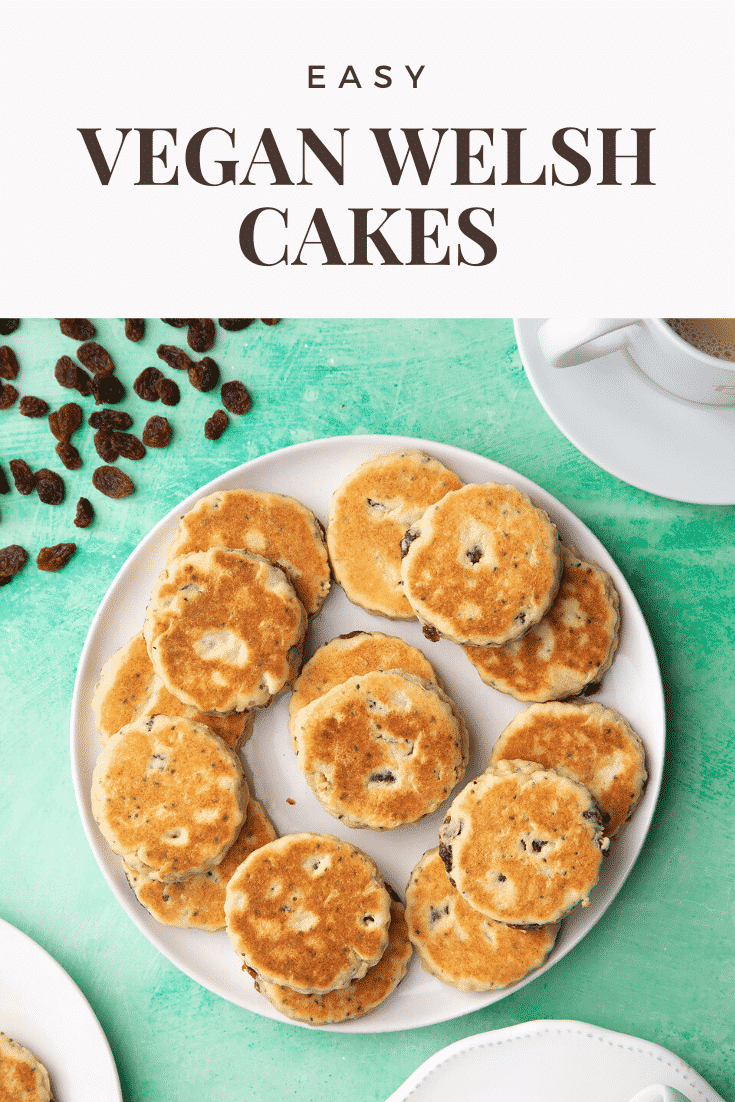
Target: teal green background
[(659, 964)]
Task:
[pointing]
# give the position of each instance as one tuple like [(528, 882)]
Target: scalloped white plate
[(311, 472), (43, 1009), (550, 1061)]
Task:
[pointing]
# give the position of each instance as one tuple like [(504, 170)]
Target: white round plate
[(43, 1009), (311, 472), (631, 428), (550, 1061)]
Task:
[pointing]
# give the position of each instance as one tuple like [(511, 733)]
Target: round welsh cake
[(279, 528), (368, 517), (23, 1078), (482, 565), (308, 911), (169, 796), (224, 630), (522, 844)]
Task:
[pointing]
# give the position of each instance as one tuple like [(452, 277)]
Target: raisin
[(4, 580), (8, 363), (85, 513), (145, 385), (12, 558), (168, 391), (234, 325), (8, 395), (49, 486), (8, 326), (270, 321), (4, 484), (179, 323), (235, 397), (216, 424), (66, 372), (96, 358), (135, 329), (157, 432), (128, 446), (22, 476), (65, 421), (200, 337), (112, 482), (79, 329), (431, 633), (68, 455), (204, 375), (56, 557), (106, 450), (174, 357), (84, 382), (33, 407), (110, 419), (107, 390)]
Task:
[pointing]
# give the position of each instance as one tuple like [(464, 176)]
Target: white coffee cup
[(659, 1093), (651, 345)]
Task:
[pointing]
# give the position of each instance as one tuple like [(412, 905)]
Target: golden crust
[(482, 565), (572, 647), (586, 742), (369, 515), (23, 1078), (460, 946), (308, 911)]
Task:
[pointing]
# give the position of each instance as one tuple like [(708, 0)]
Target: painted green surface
[(659, 964)]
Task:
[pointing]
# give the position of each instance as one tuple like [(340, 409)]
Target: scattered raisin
[(4, 580), (66, 372), (8, 395), (12, 558), (157, 432), (33, 407), (168, 391), (96, 358), (49, 486), (85, 513), (8, 326), (204, 375), (175, 357), (22, 476), (200, 337), (65, 420), (128, 446), (106, 450), (68, 455), (270, 321), (234, 325), (145, 385), (8, 363), (84, 382), (235, 397), (134, 329), (216, 424), (107, 390), (4, 484), (178, 323), (110, 419), (112, 482), (79, 329), (56, 557)]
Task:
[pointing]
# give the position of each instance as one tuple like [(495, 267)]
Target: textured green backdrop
[(659, 964)]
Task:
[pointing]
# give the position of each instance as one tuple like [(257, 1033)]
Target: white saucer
[(43, 1009), (550, 1061), (625, 424)]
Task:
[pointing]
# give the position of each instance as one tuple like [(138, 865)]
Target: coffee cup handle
[(567, 342)]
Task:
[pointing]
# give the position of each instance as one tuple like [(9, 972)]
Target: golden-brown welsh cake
[(224, 630), (23, 1078), (279, 528), (169, 796), (308, 911), (382, 750), (522, 844), (199, 901), (589, 743), (129, 688), (460, 946), (347, 656), (368, 517), (571, 648), (482, 565), (360, 996)]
